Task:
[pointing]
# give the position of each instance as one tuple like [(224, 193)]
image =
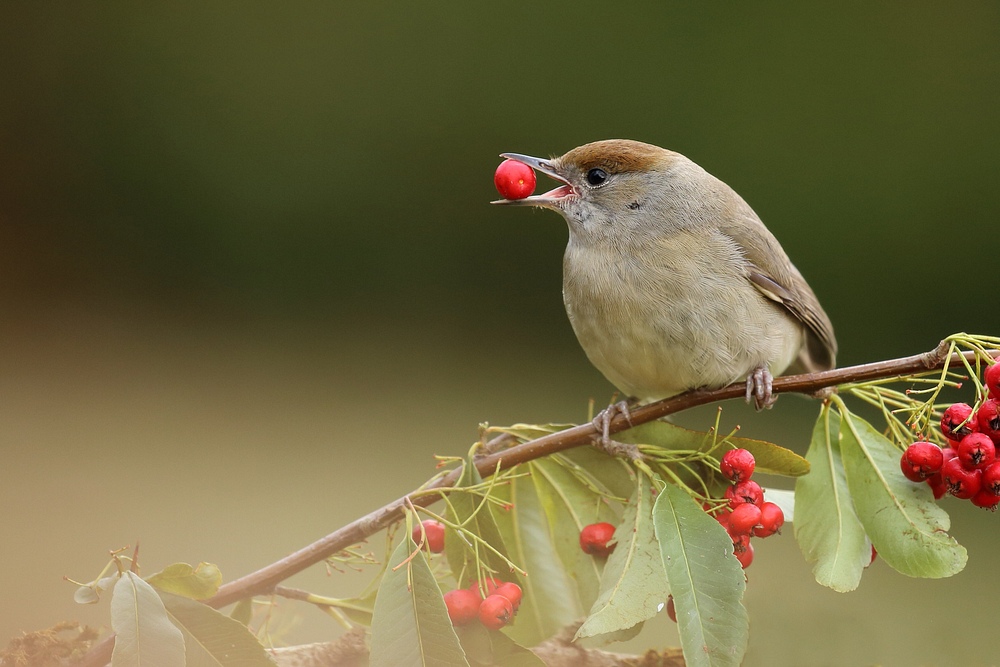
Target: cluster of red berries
[(746, 514), (494, 611), (968, 468), (467, 604)]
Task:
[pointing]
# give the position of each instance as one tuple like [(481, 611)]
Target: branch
[(264, 580), (351, 650)]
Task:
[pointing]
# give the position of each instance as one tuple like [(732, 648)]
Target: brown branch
[(264, 580), (351, 650)]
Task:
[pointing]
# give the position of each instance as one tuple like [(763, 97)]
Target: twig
[(265, 579), (351, 650)]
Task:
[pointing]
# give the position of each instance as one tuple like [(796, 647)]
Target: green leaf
[(570, 504), (197, 583), (611, 476), (634, 585), (243, 611), (145, 635), (901, 518), (550, 599), (769, 458), (90, 593), (827, 528), (462, 509), (706, 581), (494, 649), (410, 625), (213, 639)]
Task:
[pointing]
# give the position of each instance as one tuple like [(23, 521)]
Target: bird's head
[(609, 186)]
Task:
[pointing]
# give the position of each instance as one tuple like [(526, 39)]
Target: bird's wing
[(774, 275)]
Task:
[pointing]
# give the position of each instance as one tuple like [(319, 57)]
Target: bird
[(671, 281)]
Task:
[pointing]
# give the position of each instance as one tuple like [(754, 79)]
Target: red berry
[(737, 465), (511, 591), (745, 556), (991, 378), (488, 584), (495, 612), (991, 477), (434, 533), (671, 610), (743, 518), (514, 180), (462, 604), (595, 537), (986, 499), (723, 518), (976, 451), (747, 491), (771, 520), (925, 458), (956, 422), (909, 472), (938, 486), (961, 483), (988, 418), (874, 555)]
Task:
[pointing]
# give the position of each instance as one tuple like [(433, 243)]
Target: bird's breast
[(673, 314)]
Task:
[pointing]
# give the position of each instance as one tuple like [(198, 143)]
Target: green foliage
[(410, 625), (827, 527), (243, 611), (855, 494), (770, 458), (569, 505), (469, 510), (484, 648), (904, 523), (551, 597), (524, 524), (197, 583), (145, 635), (634, 586), (90, 592), (212, 639), (706, 581)]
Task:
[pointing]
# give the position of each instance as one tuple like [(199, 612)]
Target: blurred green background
[(250, 281)]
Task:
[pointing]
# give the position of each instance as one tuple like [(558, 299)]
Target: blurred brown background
[(250, 281)]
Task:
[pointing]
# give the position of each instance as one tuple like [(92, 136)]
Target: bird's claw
[(759, 385), (602, 422)]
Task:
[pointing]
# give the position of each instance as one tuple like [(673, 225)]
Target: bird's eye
[(596, 176)]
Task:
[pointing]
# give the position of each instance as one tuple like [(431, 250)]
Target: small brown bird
[(671, 281)]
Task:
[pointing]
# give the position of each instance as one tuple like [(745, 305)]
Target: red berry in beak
[(514, 180)]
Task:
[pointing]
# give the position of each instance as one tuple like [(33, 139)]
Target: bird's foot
[(602, 422), (759, 388)]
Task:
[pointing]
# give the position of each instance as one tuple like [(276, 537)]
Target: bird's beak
[(550, 199)]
